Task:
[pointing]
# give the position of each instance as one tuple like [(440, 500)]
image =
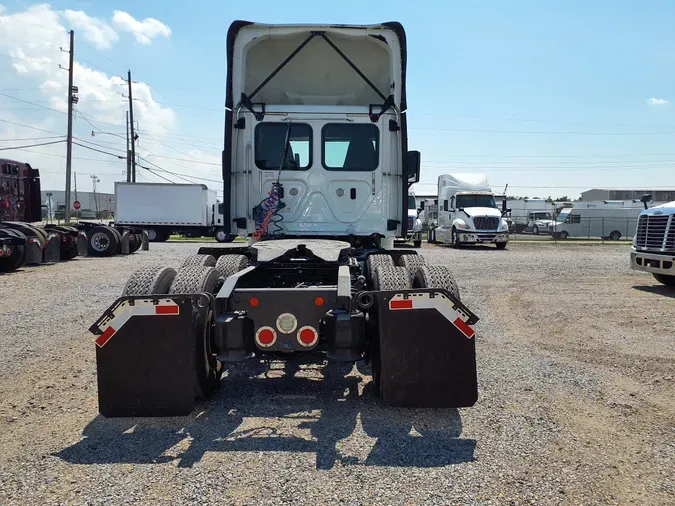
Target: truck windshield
[(561, 217), (270, 142), (350, 147), (541, 216), (411, 202), (475, 201)]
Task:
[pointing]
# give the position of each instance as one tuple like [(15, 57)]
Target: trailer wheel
[(665, 279), (411, 263), (18, 256), (195, 279), (222, 236), (436, 276), (135, 242), (102, 242), (150, 280), (231, 264), (375, 261), (199, 261)]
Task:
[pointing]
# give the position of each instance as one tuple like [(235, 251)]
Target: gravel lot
[(576, 361)]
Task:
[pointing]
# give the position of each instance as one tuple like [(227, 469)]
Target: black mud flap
[(52, 252), (82, 249), (33, 252), (427, 352), (145, 355)]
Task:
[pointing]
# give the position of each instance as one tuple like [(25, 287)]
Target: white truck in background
[(612, 223), (414, 234), (468, 212), (653, 247), (163, 209)]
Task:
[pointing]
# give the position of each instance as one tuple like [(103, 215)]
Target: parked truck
[(415, 226), (163, 209), (26, 240), (316, 172), (468, 212), (653, 247), (612, 223)]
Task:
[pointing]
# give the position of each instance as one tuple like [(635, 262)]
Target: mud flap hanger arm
[(247, 100)]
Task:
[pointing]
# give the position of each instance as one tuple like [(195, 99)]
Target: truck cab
[(468, 213), (653, 247), (319, 153)]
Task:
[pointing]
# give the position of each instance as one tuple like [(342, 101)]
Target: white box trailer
[(607, 223), (163, 209)]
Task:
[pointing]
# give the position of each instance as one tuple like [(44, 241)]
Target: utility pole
[(128, 153), (131, 126), (69, 140)]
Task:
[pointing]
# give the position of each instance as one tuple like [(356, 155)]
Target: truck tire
[(436, 276), (199, 261), (118, 234), (231, 264), (535, 230), (135, 242), (195, 279), (150, 280), (501, 245), (222, 236), (615, 235), (665, 279), (18, 256), (454, 239), (374, 261), (417, 244), (102, 242), (411, 263), (391, 278), (431, 237)]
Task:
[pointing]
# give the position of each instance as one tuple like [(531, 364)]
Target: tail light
[(307, 336), (265, 337)]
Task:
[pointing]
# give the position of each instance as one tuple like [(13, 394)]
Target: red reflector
[(166, 309), (254, 302), (401, 304), (105, 337), (307, 336), (2, 252), (266, 336), (319, 301), (464, 328)]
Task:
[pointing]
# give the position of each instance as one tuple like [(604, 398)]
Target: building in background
[(628, 194), (92, 205)]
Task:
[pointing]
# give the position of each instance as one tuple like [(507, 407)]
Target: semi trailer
[(26, 240), (316, 172), (163, 209)]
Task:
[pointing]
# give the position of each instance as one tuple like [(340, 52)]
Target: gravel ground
[(577, 406)]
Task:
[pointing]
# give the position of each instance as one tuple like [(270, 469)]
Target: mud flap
[(145, 355), (52, 252), (124, 243), (427, 354), (82, 248), (33, 252)]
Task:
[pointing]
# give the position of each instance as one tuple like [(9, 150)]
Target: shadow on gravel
[(256, 413), (666, 291)]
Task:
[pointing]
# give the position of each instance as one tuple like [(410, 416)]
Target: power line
[(536, 132), (100, 145), (31, 145), (153, 172), (31, 138), (99, 151), (32, 103)]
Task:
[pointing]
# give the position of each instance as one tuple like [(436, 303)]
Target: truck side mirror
[(414, 160), (645, 199)]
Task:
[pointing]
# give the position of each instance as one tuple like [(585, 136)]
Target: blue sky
[(536, 94)]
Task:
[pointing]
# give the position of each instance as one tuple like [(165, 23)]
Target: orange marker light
[(319, 301)]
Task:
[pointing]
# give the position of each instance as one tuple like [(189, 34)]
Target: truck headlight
[(462, 225), (504, 226)]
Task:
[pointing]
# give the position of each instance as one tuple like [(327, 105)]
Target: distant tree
[(562, 199)]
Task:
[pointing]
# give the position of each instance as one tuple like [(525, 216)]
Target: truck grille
[(411, 222), (486, 223), (655, 233)]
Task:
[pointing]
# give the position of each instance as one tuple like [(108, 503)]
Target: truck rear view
[(317, 169)]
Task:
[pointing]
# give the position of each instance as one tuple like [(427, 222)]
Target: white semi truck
[(415, 225), (316, 172), (653, 247), (468, 213), (162, 209)]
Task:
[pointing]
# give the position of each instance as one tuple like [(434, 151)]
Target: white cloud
[(144, 31), (96, 31), (33, 38), (658, 101)]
